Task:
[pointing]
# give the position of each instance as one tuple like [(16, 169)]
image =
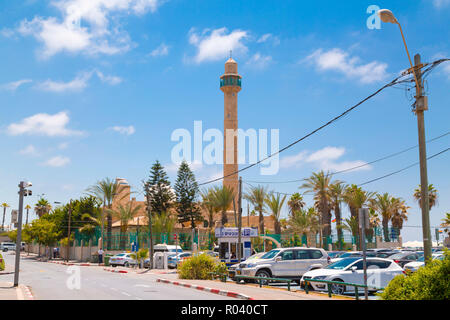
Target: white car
[(122, 259), (175, 259), (415, 265), (289, 263), (350, 270), (6, 246)]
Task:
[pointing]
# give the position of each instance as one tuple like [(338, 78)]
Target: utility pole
[(150, 235), (22, 192), (421, 105), (363, 224), (239, 252), (103, 221), (68, 231)]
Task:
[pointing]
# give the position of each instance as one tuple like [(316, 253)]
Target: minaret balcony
[(230, 81)]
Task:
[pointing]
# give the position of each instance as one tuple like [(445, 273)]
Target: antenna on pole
[(231, 51)]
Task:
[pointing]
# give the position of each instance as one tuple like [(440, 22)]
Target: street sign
[(14, 214), (364, 218)]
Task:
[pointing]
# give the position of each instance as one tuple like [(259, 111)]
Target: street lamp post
[(421, 105), (22, 192)]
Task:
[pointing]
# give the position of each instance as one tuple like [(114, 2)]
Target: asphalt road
[(49, 281)]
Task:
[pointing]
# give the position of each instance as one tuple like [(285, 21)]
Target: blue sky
[(94, 89)]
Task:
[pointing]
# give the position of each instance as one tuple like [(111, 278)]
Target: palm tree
[(208, 205), (27, 207), (319, 184), (124, 214), (337, 191), (42, 207), (384, 205), (399, 214), (432, 196), (222, 198), (304, 222), (357, 198), (163, 223), (256, 196), (446, 223), (275, 204), (4, 205), (351, 224), (107, 190), (295, 202)]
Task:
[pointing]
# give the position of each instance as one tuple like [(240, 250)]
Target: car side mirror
[(278, 259), (354, 268)]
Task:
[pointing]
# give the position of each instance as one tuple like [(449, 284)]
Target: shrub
[(199, 267), (430, 282), (2, 263)]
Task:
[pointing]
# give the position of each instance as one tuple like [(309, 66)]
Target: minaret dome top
[(231, 66)]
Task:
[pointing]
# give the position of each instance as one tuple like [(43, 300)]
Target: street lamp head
[(24, 184), (387, 16)]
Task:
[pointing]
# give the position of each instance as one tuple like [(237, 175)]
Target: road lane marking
[(126, 294)]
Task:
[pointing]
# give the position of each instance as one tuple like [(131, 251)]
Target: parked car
[(232, 269), (415, 265), (335, 254), (167, 248), (6, 246), (211, 253), (350, 270), (175, 259), (122, 259), (405, 257), (289, 263), (347, 254)]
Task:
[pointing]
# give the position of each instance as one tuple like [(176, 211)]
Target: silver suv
[(289, 263)]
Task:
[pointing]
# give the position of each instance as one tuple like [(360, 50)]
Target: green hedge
[(430, 282), (200, 267), (2, 263)]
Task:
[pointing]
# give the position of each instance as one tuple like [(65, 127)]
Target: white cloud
[(124, 130), (43, 124), (7, 33), (162, 50), (325, 159), (29, 150), (441, 3), (340, 61), (58, 161), (77, 84), (63, 145), (269, 37), (112, 80), (259, 61), (293, 161), (12, 86), (216, 44), (86, 26)]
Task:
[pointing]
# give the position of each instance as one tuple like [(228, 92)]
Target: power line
[(359, 166), (403, 169), (392, 83)]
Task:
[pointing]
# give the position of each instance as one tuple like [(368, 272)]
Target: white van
[(167, 248), (5, 246)]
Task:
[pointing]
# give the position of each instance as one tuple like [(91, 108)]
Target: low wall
[(389, 245), (82, 254)]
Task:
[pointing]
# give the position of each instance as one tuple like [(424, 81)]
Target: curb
[(73, 264), (28, 292), (216, 291), (114, 270)]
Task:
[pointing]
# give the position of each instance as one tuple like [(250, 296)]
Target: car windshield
[(120, 255), (340, 265), (270, 254), (396, 256), (333, 254)]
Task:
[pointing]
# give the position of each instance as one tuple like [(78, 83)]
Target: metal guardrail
[(266, 279), (222, 276), (330, 282)]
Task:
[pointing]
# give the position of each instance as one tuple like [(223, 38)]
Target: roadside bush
[(199, 267), (430, 282), (2, 263)]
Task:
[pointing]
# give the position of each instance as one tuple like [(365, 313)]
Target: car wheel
[(338, 288), (263, 274)]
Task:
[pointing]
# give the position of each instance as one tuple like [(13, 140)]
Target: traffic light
[(175, 236)]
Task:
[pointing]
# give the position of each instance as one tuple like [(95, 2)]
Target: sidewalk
[(9, 292), (252, 291)]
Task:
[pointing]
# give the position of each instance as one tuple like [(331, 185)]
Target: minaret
[(230, 84)]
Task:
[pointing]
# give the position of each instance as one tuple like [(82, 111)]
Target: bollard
[(329, 290), (356, 293), (306, 287)]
